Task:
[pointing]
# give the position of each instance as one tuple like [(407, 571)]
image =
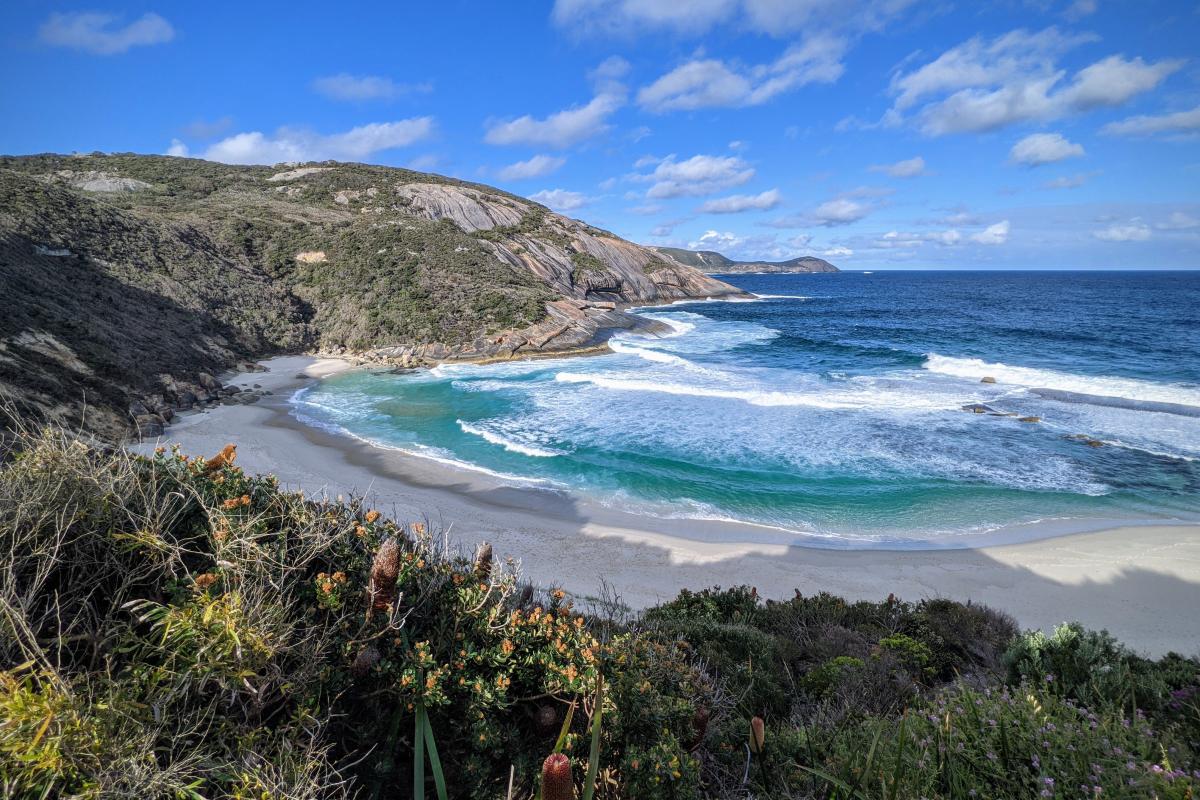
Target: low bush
[(173, 627)]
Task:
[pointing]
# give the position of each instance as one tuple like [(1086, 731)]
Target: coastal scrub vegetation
[(171, 626)]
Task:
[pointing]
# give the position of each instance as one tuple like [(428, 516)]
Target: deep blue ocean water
[(832, 406)]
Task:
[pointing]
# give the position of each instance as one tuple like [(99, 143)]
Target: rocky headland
[(132, 282), (712, 262)]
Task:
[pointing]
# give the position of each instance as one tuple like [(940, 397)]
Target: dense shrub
[(173, 627), (1015, 743)]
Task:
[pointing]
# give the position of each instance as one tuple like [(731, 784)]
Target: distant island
[(712, 262)]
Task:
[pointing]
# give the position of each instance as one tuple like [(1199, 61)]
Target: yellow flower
[(372, 516)]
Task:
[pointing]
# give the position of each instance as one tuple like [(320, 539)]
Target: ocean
[(832, 406)]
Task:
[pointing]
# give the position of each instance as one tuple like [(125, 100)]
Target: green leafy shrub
[(173, 627), (999, 743)]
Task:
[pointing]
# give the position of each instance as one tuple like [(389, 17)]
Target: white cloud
[(561, 129), (992, 234), (772, 17), (534, 167), (98, 34), (715, 240), (1080, 9), (839, 211), (1068, 181), (895, 240), (950, 237), (561, 199), (627, 16), (738, 203), (290, 144), (984, 85), (843, 209), (750, 248), (1178, 221), (357, 88), (1044, 148), (707, 83), (177, 148), (697, 176), (1113, 81), (610, 70), (838, 252), (1181, 122), (1133, 231), (647, 210), (909, 168)]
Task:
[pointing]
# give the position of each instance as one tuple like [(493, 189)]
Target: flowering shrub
[(1023, 742), (173, 627)]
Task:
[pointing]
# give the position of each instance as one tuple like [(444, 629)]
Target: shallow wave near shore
[(752, 411)]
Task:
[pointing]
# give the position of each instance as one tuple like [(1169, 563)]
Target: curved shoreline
[(1141, 582)]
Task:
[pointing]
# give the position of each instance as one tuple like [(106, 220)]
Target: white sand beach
[(1141, 583)]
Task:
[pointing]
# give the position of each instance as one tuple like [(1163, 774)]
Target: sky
[(1024, 134)]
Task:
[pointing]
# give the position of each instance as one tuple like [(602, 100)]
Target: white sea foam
[(506, 443), (866, 397), (656, 356), (783, 297), (1029, 377)]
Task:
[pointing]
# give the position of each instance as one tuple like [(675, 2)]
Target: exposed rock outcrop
[(133, 277)]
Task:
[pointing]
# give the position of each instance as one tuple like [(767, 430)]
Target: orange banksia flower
[(758, 735), (385, 569), (222, 459), (372, 516), (483, 562), (367, 657), (557, 783), (206, 580)]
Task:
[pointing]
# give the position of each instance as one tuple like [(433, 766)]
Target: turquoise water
[(832, 406)]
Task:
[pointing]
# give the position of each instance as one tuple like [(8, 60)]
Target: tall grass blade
[(898, 767), (589, 781), (435, 763), (566, 728), (418, 755)]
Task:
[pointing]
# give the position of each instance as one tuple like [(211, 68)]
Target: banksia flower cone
[(557, 783), (222, 459), (384, 571), (483, 562), (546, 719), (367, 657), (758, 735)]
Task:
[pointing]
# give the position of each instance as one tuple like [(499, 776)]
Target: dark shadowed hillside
[(130, 280)]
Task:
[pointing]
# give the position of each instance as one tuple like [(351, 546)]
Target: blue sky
[(884, 133)]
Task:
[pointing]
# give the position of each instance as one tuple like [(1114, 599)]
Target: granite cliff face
[(710, 261), (128, 278)]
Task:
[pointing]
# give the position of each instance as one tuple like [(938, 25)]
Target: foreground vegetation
[(172, 627)]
